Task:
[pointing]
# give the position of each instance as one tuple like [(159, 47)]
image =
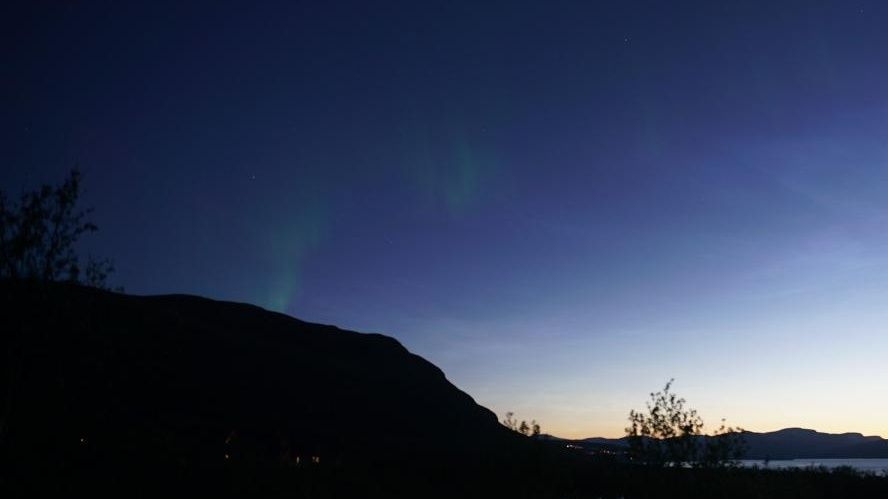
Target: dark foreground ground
[(437, 479), (132, 396)]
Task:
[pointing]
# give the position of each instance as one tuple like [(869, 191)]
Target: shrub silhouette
[(528, 430), (670, 434), (723, 448)]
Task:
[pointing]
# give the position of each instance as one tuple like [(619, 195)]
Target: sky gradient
[(561, 204)]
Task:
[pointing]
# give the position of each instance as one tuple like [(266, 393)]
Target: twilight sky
[(561, 204)]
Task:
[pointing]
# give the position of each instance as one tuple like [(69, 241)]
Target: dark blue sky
[(562, 204)]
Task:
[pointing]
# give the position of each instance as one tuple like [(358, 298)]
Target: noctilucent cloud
[(561, 204)]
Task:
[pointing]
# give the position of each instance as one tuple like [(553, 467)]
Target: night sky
[(561, 204)]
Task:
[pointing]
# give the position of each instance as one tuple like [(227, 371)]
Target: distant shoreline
[(878, 466)]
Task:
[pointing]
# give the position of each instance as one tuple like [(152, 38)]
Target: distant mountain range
[(788, 443)]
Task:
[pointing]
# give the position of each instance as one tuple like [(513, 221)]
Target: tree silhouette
[(528, 430), (38, 234), (670, 434), (510, 422)]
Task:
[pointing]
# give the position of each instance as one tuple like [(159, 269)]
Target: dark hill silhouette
[(788, 443), (800, 443), (190, 385)]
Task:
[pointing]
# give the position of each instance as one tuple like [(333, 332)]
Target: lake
[(878, 466)]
